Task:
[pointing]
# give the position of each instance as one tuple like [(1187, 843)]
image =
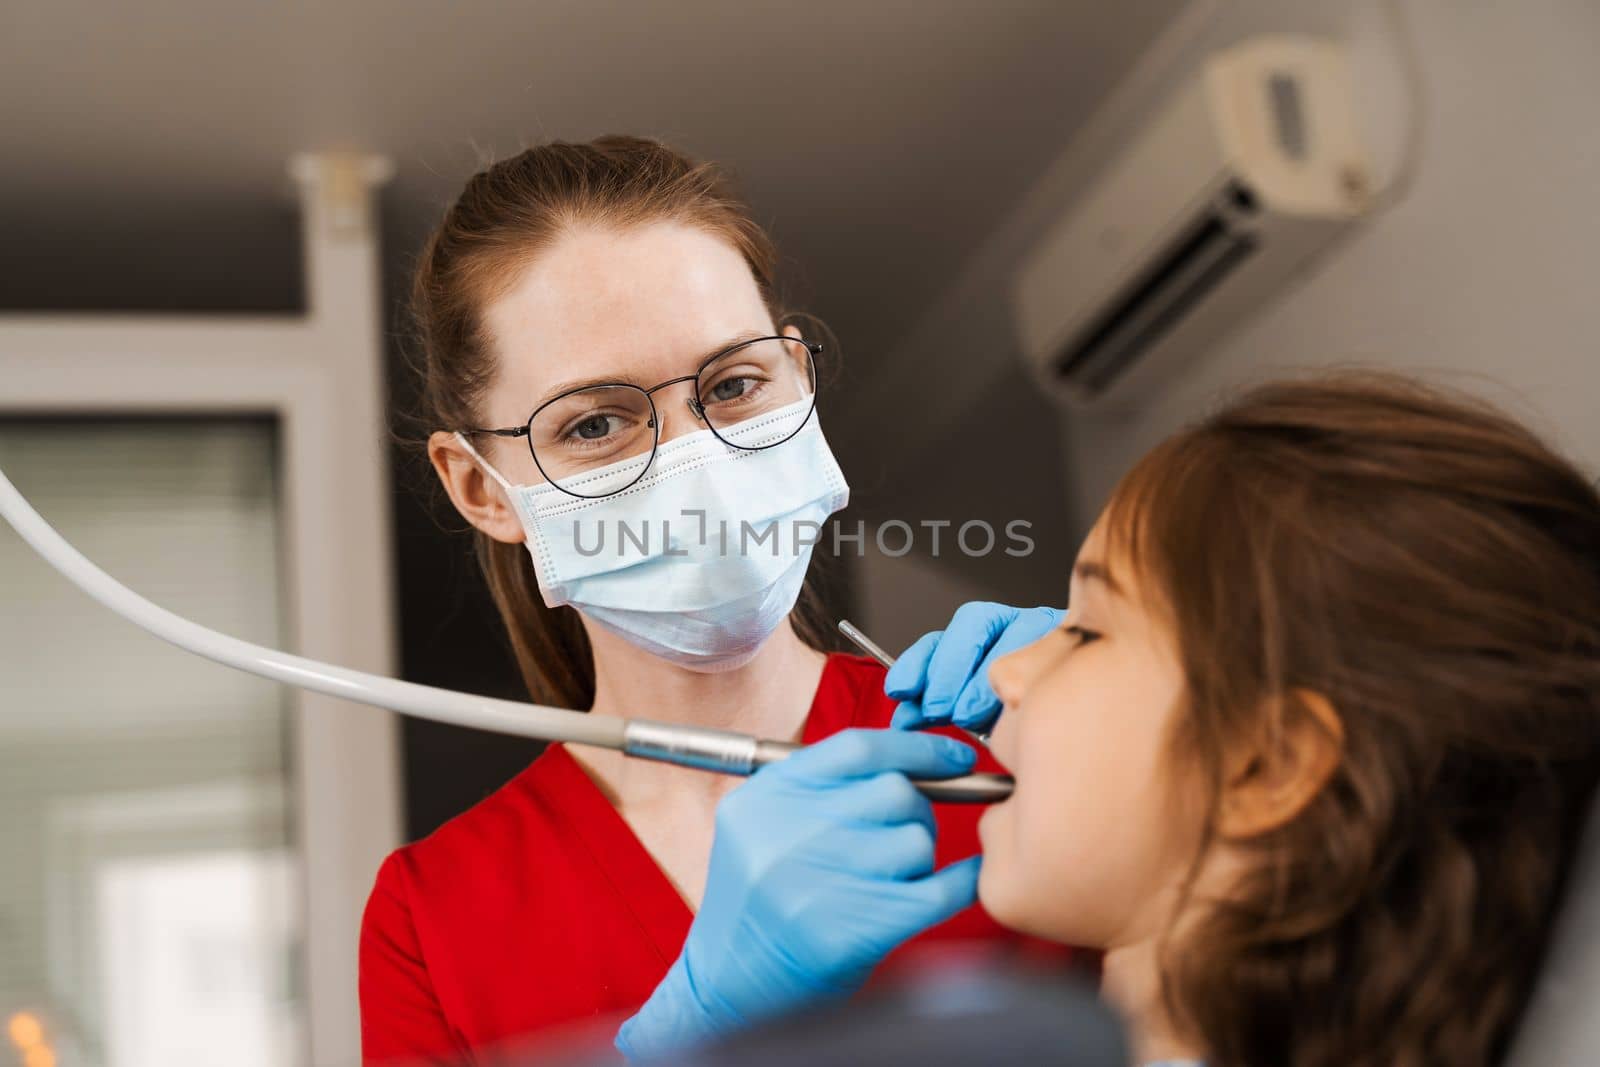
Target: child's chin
[(1011, 902), (998, 892)]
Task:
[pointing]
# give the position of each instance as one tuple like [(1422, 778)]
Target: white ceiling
[(142, 146)]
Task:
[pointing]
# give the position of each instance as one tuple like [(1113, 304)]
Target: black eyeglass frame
[(696, 405)]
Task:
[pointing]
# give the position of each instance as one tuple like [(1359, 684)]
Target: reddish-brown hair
[(507, 215), (1432, 569)]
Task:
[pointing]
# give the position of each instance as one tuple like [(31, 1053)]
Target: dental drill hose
[(723, 751)]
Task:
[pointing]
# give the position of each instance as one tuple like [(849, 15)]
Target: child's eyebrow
[(1093, 569)]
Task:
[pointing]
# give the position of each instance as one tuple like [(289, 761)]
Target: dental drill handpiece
[(708, 749)]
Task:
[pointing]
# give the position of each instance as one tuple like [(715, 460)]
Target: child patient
[(1310, 755)]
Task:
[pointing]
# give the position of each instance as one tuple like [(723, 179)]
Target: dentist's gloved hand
[(944, 677), (820, 866)]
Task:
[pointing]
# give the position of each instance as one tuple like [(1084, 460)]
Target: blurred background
[(202, 358)]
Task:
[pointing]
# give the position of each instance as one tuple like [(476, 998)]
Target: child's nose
[(1005, 678), (1011, 674)]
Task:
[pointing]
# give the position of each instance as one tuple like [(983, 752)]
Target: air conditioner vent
[(1226, 190), (1156, 301)]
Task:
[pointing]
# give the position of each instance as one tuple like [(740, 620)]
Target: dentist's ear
[(479, 499), (1273, 781)]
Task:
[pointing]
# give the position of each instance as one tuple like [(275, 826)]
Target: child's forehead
[(1108, 568), (1103, 559)]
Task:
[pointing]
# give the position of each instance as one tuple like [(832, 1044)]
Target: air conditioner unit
[(1231, 187)]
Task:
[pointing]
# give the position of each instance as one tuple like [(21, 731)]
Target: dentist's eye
[(1080, 635), (594, 427)]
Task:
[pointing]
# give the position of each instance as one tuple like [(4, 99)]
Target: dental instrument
[(704, 748), (873, 649), (865, 643)]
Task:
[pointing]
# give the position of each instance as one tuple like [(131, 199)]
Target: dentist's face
[(1091, 847), (640, 305)]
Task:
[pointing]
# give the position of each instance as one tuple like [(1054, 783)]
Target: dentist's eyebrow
[(1093, 569), (612, 379)]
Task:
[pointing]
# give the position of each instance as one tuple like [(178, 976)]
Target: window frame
[(320, 376)]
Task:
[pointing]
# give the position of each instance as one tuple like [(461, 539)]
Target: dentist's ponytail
[(504, 216)]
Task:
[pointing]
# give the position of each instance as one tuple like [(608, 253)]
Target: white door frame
[(320, 375)]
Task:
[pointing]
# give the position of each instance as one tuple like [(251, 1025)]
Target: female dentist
[(625, 423)]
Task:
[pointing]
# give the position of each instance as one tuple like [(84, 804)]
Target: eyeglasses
[(597, 440)]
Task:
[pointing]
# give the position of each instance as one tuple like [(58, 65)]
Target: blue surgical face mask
[(700, 560)]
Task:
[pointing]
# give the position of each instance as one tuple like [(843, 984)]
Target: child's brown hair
[(1432, 569)]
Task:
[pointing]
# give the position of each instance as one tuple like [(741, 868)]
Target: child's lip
[(996, 806), (999, 753)]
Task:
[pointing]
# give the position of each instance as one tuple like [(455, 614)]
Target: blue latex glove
[(821, 864), (944, 677)]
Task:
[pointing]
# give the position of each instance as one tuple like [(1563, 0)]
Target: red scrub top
[(537, 912)]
